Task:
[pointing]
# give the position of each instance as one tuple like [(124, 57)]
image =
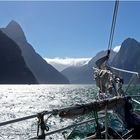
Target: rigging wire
[(113, 26)]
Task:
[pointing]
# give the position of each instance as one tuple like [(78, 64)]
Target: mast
[(113, 27)]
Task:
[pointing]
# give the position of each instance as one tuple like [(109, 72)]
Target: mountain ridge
[(44, 72), (13, 68)]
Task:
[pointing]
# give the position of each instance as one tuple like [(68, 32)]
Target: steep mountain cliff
[(13, 69), (44, 72), (128, 57)]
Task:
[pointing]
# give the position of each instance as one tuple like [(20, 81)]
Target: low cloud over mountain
[(117, 48), (62, 63)]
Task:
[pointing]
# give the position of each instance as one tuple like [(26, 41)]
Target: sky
[(72, 29)]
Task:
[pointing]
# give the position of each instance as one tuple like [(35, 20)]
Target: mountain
[(84, 74), (128, 57), (43, 72), (13, 69), (79, 74)]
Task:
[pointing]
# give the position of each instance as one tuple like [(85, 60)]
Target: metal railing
[(77, 110), (69, 127)]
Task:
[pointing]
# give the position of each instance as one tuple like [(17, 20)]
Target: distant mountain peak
[(15, 30), (129, 40), (129, 44), (13, 23)]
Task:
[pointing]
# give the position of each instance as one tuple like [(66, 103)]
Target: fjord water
[(23, 100)]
